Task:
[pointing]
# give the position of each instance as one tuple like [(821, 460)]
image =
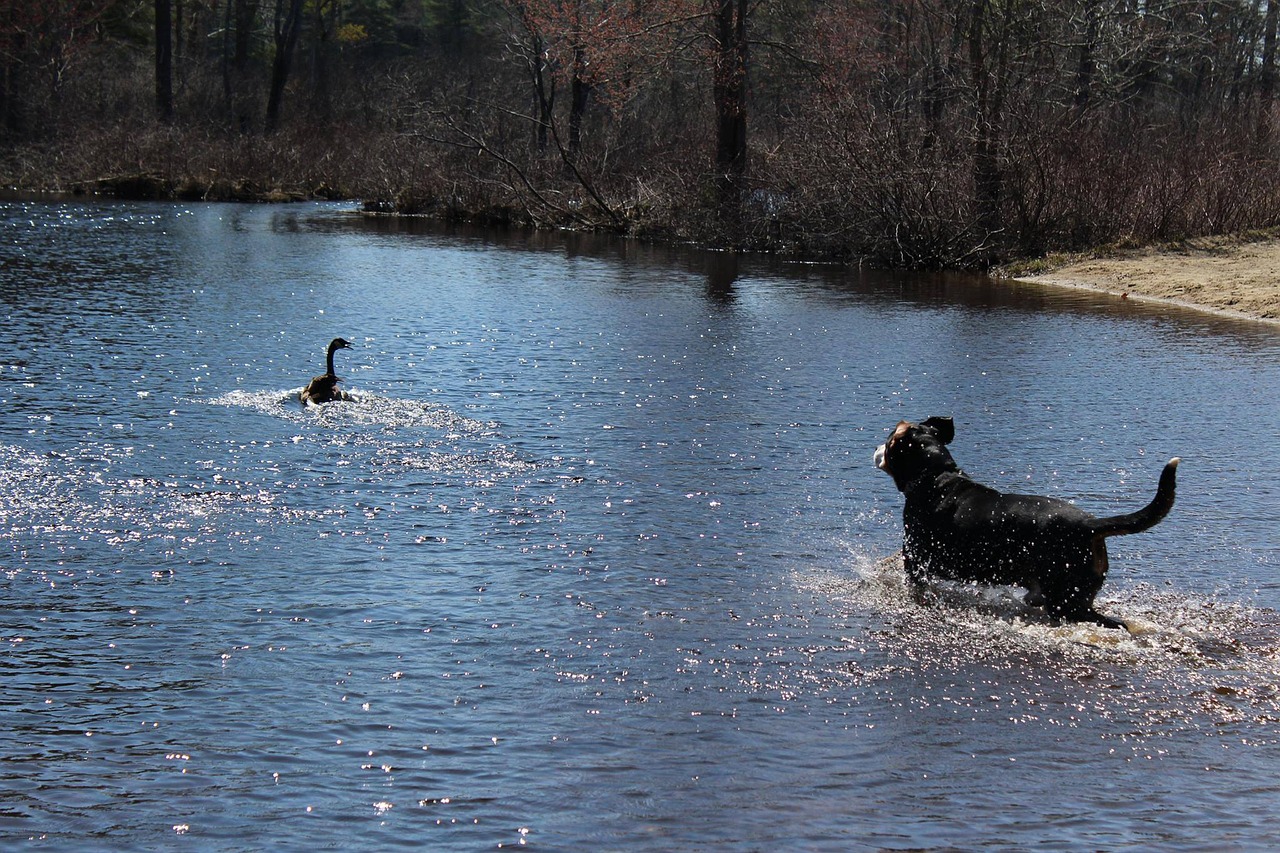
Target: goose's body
[(324, 388)]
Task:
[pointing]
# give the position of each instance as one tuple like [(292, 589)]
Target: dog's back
[(956, 528), (963, 530)]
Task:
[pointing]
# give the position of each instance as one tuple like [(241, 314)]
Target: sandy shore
[(1237, 278)]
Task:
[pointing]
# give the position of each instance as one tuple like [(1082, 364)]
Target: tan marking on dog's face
[(881, 456), (898, 432)]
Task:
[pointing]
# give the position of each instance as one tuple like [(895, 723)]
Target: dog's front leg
[(917, 578)]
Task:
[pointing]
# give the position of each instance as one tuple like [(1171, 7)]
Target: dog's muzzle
[(879, 458)]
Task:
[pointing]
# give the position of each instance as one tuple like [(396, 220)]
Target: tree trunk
[(324, 52), (579, 90), (288, 24), (1086, 64), (987, 177), (544, 91), (1268, 93), (236, 32), (729, 90), (164, 62)]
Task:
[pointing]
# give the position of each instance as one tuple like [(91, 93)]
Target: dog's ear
[(944, 427)]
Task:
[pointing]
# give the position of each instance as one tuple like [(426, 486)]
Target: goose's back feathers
[(323, 389)]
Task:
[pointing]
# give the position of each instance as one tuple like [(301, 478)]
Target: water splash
[(1188, 662), (363, 410), (66, 501)]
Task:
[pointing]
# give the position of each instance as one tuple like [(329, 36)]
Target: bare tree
[(287, 25), (164, 61), (729, 75)]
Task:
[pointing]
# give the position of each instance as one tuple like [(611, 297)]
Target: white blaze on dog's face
[(882, 452)]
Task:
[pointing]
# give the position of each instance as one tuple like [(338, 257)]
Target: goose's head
[(337, 344)]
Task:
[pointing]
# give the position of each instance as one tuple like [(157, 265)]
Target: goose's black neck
[(334, 345)]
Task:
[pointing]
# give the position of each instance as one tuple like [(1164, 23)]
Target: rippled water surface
[(597, 558)]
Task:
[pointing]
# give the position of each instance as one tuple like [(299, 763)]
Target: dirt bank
[(1240, 277)]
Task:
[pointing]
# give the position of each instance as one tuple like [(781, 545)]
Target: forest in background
[(902, 133)]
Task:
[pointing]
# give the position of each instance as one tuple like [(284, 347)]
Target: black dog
[(955, 528)]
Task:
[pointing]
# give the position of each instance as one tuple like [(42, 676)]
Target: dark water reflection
[(596, 559)]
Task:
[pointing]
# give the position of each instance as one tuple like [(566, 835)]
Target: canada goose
[(324, 388)]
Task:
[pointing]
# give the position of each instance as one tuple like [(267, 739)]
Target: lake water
[(597, 557)]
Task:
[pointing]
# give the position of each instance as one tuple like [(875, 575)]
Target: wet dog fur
[(955, 528)]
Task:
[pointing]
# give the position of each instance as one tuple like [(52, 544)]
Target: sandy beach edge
[(1054, 280), (1240, 280)]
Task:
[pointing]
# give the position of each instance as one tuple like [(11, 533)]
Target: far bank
[(1233, 276)]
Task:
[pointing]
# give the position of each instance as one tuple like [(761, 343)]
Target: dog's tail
[(1148, 516)]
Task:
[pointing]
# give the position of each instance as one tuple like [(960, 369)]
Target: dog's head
[(917, 449)]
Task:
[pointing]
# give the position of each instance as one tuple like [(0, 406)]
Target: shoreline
[(1234, 276), (1226, 277), (1053, 280)]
